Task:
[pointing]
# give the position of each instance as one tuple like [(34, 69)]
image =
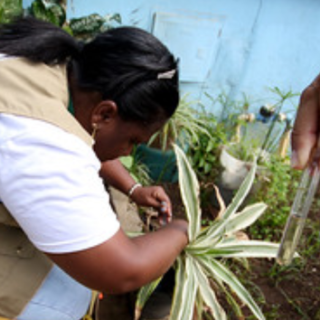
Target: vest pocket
[(13, 242)]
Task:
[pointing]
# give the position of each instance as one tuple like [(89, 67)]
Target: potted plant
[(182, 128), (255, 137), (201, 271)]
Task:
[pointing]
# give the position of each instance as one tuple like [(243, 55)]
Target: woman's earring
[(94, 131)]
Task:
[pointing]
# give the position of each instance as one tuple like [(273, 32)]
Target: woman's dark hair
[(123, 64)]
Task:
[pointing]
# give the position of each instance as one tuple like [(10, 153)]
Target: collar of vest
[(38, 91)]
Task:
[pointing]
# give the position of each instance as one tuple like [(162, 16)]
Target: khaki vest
[(41, 92)]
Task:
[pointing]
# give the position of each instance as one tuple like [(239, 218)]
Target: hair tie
[(167, 75)]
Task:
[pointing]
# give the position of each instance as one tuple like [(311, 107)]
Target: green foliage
[(54, 11), (281, 98), (137, 170), (231, 109), (202, 262), (87, 27), (310, 245), (277, 188), (48, 10), (204, 151), (246, 150), (143, 296), (201, 271), (9, 9), (183, 127)]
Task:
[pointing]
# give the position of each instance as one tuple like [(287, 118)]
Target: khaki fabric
[(22, 270), (6, 218), (40, 92)]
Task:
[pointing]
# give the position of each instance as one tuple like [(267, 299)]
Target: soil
[(291, 293), (283, 293)]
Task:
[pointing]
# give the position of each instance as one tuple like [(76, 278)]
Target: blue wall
[(230, 46)]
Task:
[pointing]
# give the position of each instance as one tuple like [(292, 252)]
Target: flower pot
[(236, 170), (161, 165)]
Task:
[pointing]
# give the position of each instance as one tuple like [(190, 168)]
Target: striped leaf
[(245, 218), (185, 293), (218, 270), (207, 294), (143, 296), (243, 191), (245, 249), (189, 189)]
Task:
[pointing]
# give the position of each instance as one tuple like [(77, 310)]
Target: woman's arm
[(122, 264), (116, 175)]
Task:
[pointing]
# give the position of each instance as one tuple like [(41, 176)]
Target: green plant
[(201, 271), (246, 141), (54, 11), (182, 128), (278, 185), (204, 151), (245, 150), (281, 98), (138, 170), (231, 109), (85, 28), (9, 9)]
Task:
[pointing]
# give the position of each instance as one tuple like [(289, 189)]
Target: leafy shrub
[(278, 186), (201, 271), (204, 151), (54, 11)]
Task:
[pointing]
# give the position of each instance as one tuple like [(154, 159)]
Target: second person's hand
[(306, 128)]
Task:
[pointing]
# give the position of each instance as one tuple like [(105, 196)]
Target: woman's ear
[(105, 111)]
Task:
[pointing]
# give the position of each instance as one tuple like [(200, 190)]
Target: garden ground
[(283, 293)]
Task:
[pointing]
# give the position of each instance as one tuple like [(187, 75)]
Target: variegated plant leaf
[(218, 270), (143, 296), (177, 294), (220, 226), (207, 293), (185, 293), (244, 249), (237, 222), (189, 188), (245, 218)]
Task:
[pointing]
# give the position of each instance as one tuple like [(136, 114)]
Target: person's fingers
[(306, 127), (161, 196), (165, 210), (157, 198), (164, 202)]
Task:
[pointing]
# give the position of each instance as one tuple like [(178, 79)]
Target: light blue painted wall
[(261, 43)]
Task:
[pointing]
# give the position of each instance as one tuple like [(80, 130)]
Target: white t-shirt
[(49, 181)]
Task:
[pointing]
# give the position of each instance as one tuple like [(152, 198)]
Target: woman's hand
[(156, 197), (305, 133)]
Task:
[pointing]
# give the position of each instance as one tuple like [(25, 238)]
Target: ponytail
[(127, 65), (38, 41)]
